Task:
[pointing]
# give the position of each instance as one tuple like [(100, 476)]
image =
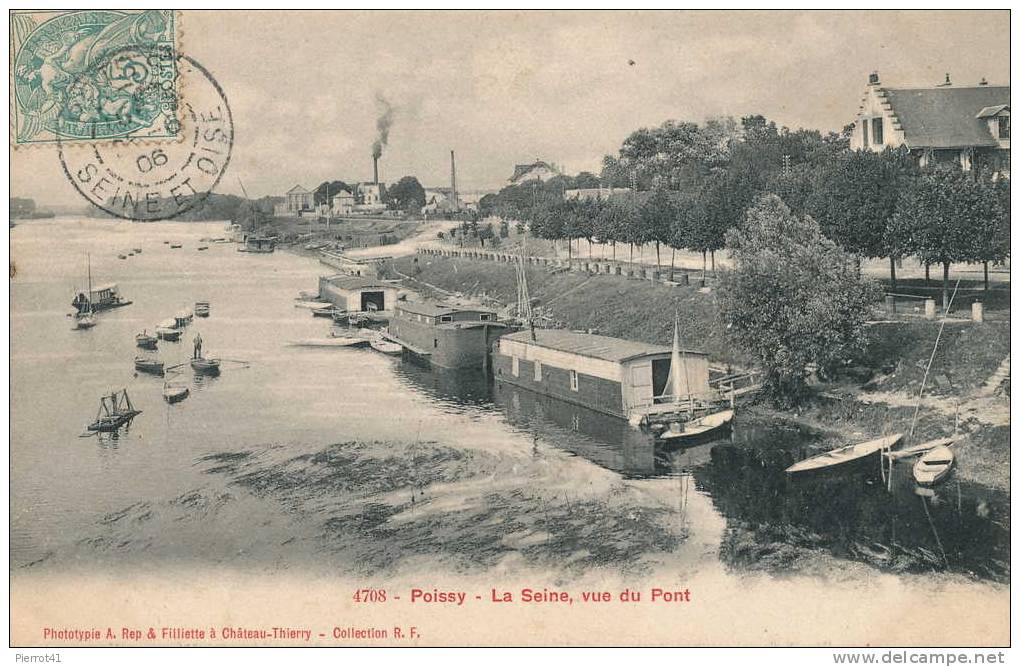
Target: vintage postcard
[(530, 328)]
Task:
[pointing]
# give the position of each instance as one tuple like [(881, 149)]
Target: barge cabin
[(356, 295), (446, 336), (619, 377)]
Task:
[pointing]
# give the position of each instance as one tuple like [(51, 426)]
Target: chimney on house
[(873, 79), (375, 169), (453, 182)]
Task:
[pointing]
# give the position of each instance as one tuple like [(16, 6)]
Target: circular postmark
[(150, 180)]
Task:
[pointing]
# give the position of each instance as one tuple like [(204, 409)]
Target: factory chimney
[(453, 182), (375, 169)]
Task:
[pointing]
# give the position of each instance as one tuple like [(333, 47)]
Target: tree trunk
[(927, 275), (589, 248), (614, 251), (569, 255), (657, 262), (945, 287), (704, 266), (892, 272), (713, 262), (986, 275), (672, 262), (631, 253)]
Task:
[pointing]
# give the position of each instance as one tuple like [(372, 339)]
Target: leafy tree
[(939, 217), (855, 200), (794, 300), (991, 237), (656, 217), (406, 195)]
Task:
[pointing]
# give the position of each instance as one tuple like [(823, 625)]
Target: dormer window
[(1004, 127)]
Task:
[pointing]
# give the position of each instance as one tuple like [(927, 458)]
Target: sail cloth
[(677, 382)]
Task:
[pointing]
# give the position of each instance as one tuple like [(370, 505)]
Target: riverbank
[(967, 377)]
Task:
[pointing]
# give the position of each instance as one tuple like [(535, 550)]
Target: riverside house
[(619, 377), (445, 336)]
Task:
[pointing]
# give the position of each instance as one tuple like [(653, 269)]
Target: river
[(305, 459)]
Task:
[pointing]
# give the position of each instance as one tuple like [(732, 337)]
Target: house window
[(538, 371), (876, 131), (864, 129), (515, 366), (573, 380), (1004, 127), (485, 318), (446, 318)]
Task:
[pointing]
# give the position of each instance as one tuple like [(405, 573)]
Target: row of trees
[(694, 183)]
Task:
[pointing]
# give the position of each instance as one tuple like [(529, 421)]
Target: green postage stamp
[(94, 75)]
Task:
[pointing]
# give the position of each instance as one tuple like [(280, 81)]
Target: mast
[(88, 269)]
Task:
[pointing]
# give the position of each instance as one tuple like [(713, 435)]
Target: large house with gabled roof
[(947, 123), (537, 170)]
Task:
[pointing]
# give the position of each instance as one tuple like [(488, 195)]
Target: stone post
[(977, 311), (929, 309)]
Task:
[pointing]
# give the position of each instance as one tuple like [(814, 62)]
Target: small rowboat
[(137, 251), (845, 458), (380, 344), (203, 247), (934, 466), (313, 305), (698, 429), (175, 245), (175, 393), (146, 365), (167, 330), (202, 308), (204, 366), (920, 448), (333, 341), (84, 321), (145, 341), (183, 318), (122, 256)]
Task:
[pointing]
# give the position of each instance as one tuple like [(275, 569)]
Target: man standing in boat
[(198, 346)]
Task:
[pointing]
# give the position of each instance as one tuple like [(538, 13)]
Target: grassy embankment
[(967, 356)]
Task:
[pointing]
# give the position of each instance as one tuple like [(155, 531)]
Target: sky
[(502, 88)]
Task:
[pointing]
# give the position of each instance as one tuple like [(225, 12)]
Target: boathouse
[(355, 294), (444, 335), (615, 376)]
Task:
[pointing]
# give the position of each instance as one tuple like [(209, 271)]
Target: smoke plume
[(382, 125)]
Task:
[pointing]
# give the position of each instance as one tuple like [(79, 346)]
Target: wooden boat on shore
[(148, 365), (146, 341), (934, 466), (175, 392), (115, 410), (919, 448), (204, 366), (702, 428), (202, 308), (845, 458)]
